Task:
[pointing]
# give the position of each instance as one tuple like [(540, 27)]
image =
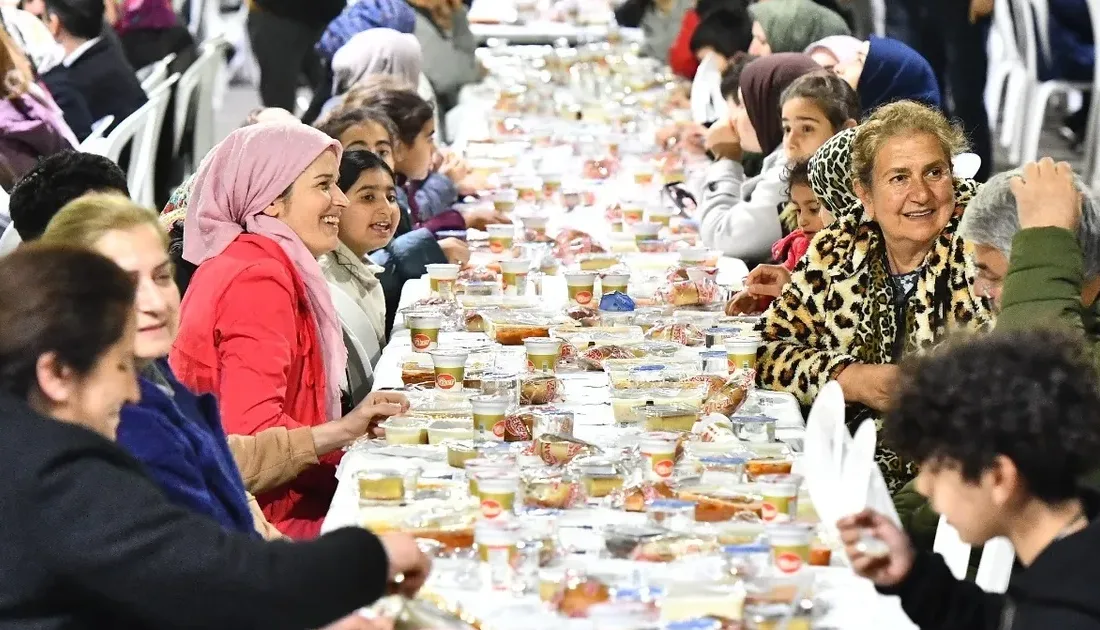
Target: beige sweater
[(268, 460)]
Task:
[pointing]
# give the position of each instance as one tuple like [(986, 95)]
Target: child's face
[(415, 161), (369, 136), (974, 508), (812, 216), (805, 128)]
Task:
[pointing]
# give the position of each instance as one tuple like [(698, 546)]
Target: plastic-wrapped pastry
[(711, 509), (558, 450), (634, 498), (585, 315), (477, 274), (728, 398), (475, 322), (593, 358), (712, 381), (539, 389), (581, 594), (519, 426), (684, 334)]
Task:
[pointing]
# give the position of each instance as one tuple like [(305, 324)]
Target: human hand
[(767, 280), (364, 418), (888, 570), (722, 140), (1046, 196), (744, 303), (872, 385), (480, 218), (454, 168), (979, 9), (456, 250), (472, 184), (408, 565), (382, 397)]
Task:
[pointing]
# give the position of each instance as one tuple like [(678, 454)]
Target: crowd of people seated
[(184, 373)]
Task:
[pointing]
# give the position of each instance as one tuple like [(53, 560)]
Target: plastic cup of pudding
[(424, 330), (542, 353), (780, 497), (632, 213), (504, 201), (528, 188), (617, 226), (659, 453), (644, 173), (551, 184), (741, 352), (478, 466), (645, 231), (662, 216), (694, 256), (790, 544), (497, 492), (450, 367), (513, 273), (614, 282), (581, 287), (489, 413), (535, 223), (441, 278), (496, 541), (380, 485), (501, 236)]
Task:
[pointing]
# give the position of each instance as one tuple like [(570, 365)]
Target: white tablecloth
[(548, 33)]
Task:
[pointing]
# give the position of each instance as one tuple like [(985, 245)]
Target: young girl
[(787, 251), (786, 111)]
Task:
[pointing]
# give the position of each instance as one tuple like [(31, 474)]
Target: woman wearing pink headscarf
[(258, 328)]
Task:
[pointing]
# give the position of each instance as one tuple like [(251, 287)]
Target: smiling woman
[(258, 328), (891, 276)]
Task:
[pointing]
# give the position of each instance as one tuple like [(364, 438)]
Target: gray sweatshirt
[(449, 61), (739, 217), (661, 28)]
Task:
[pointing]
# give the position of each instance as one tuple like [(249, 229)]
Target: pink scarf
[(236, 181)]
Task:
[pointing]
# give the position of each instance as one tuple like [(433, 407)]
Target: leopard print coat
[(839, 309)]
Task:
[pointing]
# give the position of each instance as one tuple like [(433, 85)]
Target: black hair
[(1031, 396), (798, 174), (407, 109), (345, 118), (64, 300), (704, 8), (726, 30), (837, 99), (354, 163), (731, 76), (54, 182), (80, 18)]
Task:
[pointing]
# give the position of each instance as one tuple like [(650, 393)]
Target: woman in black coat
[(87, 540)]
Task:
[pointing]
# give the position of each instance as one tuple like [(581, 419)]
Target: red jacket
[(247, 335), (680, 57)]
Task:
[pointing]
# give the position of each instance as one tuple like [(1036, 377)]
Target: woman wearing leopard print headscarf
[(888, 278)]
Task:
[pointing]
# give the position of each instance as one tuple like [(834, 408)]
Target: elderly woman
[(889, 277), (1037, 273)]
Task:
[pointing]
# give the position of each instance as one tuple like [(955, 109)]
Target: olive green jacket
[(1043, 288)]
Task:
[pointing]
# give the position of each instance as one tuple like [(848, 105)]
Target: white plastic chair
[(197, 86), (9, 240), (361, 341), (154, 74), (994, 568), (141, 131), (707, 103), (1032, 18), (96, 137), (1004, 62), (5, 199)]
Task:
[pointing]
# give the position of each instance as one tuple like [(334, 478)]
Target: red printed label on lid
[(420, 341), (664, 467), (490, 508), (788, 562), (769, 511), (445, 381), (530, 365), (584, 297), (498, 429)]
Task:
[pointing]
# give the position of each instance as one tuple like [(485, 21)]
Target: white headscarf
[(376, 51)]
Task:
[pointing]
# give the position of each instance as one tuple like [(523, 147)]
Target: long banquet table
[(852, 602)]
